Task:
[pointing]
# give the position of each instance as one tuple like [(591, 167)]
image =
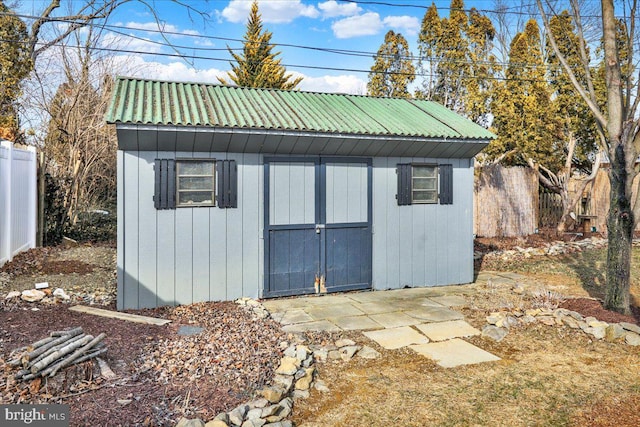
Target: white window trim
[(436, 178), (213, 185)]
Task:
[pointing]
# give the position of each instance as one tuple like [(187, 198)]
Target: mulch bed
[(162, 374)]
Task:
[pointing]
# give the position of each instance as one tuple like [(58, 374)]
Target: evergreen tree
[(258, 66), (525, 120), (429, 51), (15, 65), (392, 71)]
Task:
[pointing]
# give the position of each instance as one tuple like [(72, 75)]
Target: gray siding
[(186, 255), (421, 245)]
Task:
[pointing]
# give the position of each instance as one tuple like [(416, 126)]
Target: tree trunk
[(620, 233)]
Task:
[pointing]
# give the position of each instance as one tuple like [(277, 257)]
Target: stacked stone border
[(499, 324), (295, 377)]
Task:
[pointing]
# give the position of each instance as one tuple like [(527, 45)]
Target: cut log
[(73, 331), (75, 355), (59, 353), (62, 343)]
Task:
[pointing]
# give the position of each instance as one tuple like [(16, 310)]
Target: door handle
[(319, 227)]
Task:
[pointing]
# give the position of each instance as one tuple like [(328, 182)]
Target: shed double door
[(317, 225)]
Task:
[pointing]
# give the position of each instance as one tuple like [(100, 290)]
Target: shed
[(226, 192)]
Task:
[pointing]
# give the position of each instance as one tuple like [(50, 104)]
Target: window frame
[(436, 189), (213, 189)]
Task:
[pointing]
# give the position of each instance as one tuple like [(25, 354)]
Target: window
[(195, 183), (424, 184)]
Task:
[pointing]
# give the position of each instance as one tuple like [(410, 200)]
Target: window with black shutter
[(424, 184)]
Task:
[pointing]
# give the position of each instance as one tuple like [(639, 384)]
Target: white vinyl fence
[(17, 200)]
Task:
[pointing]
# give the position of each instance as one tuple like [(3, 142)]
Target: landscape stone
[(302, 352), (285, 423), (238, 414), (285, 381), (273, 394), (254, 413), (347, 352), (630, 327), (597, 324), (546, 320), (632, 339), (185, 422), (528, 319), (254, 422), (13, 294), (395, 338), (495, 333), (261, 402), (344, 342), (223, 416), (308, 361), (288, 366), (334, 355), (300, 394), (321, 386), (290, 351), (32, 295), (507, 322), (570, 322), (614, 332), (321, 355), (446, 330), (216, 423), (270, 411), (494, 318), (455, 352), (305, 382), (367, 352)]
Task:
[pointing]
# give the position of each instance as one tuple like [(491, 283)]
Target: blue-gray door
[(317, 225)]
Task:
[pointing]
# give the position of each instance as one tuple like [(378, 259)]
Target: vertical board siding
[(292, 190), (346, 181), (185, 255), (421, 244)]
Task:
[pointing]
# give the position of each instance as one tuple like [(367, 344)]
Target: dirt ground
[(547, 375)]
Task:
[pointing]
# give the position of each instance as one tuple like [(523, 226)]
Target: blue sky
[(354, 26), (327, 24)]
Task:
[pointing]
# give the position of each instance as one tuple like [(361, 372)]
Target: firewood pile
[(59, 350)]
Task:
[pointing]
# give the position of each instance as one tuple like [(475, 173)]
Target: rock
[(258, 403), (124, 402), (283, 345), (597, 324), (546, 320), (614, 332), (286, 405), (630, 327), (494, 318), (308, 361), (255, 422), (527, 319), (238, 414), (507, 322), (286, 381), (570, 322), (495, 333), (254, 413), (290, 351), (305, 382), (300, 394), (518, 289), (302, 352), (344, 343), (13, 294), (288, 366), (579, 317), (367, 352), (632, 339), (60, 294), (334, 355), (223, 416), (346, 353), (273, 394), (216, 423), (320, 355), (321, 386), (185, 422), (598, 333), (285, 423), (32, 295), (532, 312), (270, 411)]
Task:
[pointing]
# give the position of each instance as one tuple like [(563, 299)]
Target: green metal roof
[(151, 102)]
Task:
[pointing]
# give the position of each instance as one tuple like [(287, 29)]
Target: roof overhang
[(132, 137)]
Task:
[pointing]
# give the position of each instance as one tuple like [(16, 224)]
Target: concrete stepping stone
[(319, 326), (395, 338), (455, 352), (332, 311), (355, 323), (376, 307), (394, 319), (435, 314), (450, 300), (295, 316), (447, 330)]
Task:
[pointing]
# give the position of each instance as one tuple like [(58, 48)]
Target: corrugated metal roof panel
[(137, 101)]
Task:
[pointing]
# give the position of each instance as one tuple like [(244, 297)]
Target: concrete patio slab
[(455, 352), (320, 325), (450, 300), (326, 299), (334, 310), (435, 314), (370, 297), (276, 305), (447, 330), (375, 307), (395, 338), (355, 323), (295, 316), (394, 319)]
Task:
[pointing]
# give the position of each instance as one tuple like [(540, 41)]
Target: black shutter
[(165, 184), (446, 184), (227, 183), (404, 184)]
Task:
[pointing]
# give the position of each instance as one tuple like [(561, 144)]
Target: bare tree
[(618, 128)]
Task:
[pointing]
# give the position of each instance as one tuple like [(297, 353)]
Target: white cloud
[(335, 84), (272, 11), (333, 9), (409, 25), (367, 24), (118, 41), (173, 71)]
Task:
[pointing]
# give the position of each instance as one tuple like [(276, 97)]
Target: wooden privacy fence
[(17, 200), (505, 201), (550, 209)]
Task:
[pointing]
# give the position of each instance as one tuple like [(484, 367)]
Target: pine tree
[(525, 120), (429, 51), (15, 65), (258, 66), (392, 71)]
